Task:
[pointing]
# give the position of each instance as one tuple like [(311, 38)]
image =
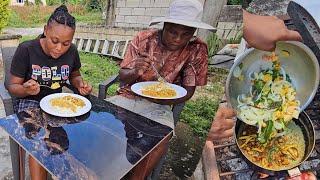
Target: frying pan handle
[(305, 24)]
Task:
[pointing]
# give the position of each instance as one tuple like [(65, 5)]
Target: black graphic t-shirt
[(30, 62)]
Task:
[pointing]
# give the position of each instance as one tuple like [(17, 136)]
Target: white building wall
[(138, 13)]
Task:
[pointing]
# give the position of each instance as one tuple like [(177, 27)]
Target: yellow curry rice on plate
[(159, 90), (67, 103)]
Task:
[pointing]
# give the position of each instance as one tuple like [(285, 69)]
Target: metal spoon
[(51, 87)]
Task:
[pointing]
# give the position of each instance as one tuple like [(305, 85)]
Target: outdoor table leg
[(17, 160), (145, 167), (21, 163)]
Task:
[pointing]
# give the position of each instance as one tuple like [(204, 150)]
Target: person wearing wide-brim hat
[(175, 54), (174, 51)]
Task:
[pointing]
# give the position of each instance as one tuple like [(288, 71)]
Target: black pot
[(309, 136)]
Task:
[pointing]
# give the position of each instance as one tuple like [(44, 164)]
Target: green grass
[(199, 114), (37, 16), (200, 109), (92, 17), (27, 38), (95, 69)]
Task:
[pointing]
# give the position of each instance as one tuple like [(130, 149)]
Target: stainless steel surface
[(302, 67), (308, 132), (48, 86)]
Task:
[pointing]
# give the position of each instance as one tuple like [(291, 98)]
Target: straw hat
[(184, 12)]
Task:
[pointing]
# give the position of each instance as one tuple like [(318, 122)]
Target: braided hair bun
[(62, 8), (61, 15)]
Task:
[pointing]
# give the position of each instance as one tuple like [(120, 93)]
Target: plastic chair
[(17, 153)]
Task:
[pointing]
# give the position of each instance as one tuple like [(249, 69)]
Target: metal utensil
[(304, 122), (160, 78), (48, 86), (302, 67)]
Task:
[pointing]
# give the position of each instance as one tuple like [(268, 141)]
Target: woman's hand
[(223, 123), (77, 81), (84, 88), (31, 87)]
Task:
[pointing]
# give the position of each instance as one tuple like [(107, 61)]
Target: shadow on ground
[(184, 153)]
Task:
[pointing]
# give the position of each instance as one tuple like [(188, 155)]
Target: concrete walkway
[(24, 31), (5, 161)]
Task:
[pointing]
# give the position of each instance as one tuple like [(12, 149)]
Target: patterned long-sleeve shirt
[(186, 67)]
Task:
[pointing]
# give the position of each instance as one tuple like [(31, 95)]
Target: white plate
[(137, 88), (46, 106)]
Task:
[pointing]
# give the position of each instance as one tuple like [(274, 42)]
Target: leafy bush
[(4, 13), (234, 2), (214, 44)]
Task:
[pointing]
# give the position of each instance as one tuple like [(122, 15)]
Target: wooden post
[(211, 12), (110, 12)]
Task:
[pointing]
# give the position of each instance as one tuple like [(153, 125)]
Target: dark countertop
[(105, 143)]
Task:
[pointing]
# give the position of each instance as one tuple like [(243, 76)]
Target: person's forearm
[(128, 76), (17, 90), (76, 81)]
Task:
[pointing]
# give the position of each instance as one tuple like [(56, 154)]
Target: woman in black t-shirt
[(44, 61)]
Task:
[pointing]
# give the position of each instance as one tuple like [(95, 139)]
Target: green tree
[(4, 13)]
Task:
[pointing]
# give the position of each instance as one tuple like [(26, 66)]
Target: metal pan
[(308, 132)]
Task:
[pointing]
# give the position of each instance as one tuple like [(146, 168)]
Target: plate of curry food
[(269, 92), (158, 90), (65, 104)]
